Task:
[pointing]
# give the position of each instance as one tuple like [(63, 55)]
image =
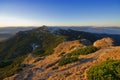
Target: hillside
[(7, 32), (63, 54), (37, 41), (48, 68)]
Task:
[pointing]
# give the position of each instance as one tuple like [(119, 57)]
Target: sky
[(59, 12)]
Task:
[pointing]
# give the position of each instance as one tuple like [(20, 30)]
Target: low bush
[(109, 70), (83, 51), (67, 60)]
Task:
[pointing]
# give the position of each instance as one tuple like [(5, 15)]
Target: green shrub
[(109, 70), (83, 51), (67, 60)]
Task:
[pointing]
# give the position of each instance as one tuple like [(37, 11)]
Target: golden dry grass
[(48, 68)]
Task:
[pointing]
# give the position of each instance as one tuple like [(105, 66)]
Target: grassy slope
[(16, 48)]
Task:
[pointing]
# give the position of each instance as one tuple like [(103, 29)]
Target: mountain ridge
[(41, 44)]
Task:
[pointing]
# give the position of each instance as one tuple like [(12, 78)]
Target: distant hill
[(7, 32), (4, 36), (92, 29), (13, 30)]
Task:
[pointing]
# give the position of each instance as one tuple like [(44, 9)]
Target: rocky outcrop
[(104, 43)]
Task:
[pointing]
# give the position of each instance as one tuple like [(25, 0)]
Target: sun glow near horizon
[(6, 21), (15, 21), (59, 13)]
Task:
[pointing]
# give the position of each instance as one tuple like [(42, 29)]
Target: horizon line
[(59, 26)]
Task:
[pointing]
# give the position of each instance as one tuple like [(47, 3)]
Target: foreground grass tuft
[(108, 70)]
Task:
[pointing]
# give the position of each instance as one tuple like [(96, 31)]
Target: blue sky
[(60, 12)]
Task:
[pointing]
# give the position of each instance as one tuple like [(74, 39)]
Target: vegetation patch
[(67, 60), (83, 51), (12, 68), (48, 43), (73, 56), (108, 70)]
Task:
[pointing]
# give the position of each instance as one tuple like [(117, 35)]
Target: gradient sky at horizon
[(59, 12)]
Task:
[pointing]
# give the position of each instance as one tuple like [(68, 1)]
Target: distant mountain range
[(92, 29), (6, 32)]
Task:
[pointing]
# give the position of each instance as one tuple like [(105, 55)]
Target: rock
[(104, 43)]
